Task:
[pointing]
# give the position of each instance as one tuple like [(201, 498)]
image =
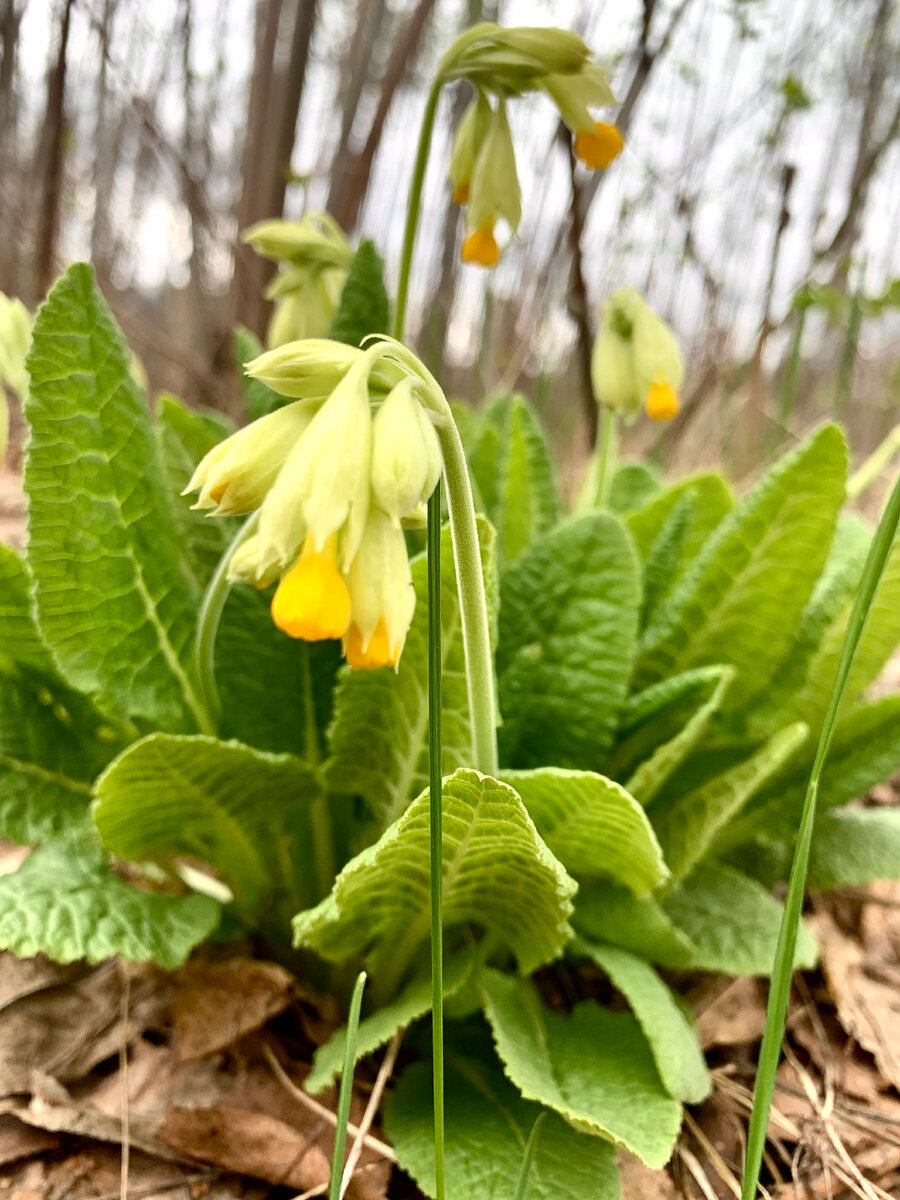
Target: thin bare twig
[(384, 1074)]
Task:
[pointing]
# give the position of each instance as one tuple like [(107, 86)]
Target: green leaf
[(241, 811), (713, 502), (275, 690), (663, 725), (260, 398), (592, 825), (733, 922), (634, 485), (611, 914), (65, 902), (113, 604), (487, 1128), (20, 640), (668, 1027), (379, 736), (513, 470), (855, 846), (865, 751), (185, 435), (498, 875), (363, 307), (742, 598), (667, 559), (568, 632), (591, 1066), (687, 829), (413, 1002)]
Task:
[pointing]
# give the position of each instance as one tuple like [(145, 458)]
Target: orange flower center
[(378, 653), (312, 601), (661, 402), (597, 149), (481, 247), (461, 193)]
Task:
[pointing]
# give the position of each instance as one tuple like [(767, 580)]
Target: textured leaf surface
[(223, 803), (591, 1066), (649, 753), (498, 875), (741, 600), (733, 922), (487, 1128), (185, 435), (713, 500), (113, 603), (363, 307), (414, 1001), (20, 641), (592, 825), (378, 739), (687, 829), (609, 913), (865, 751), (634, 485), (513, 470), (568, 634), (65, 902), (668, 1028), (854, 846)]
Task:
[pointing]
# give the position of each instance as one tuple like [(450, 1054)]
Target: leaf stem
[(779, 992), (208, 618), (607, 447), (528, 1156), (343, 1112), (413, 208), (435, 777)]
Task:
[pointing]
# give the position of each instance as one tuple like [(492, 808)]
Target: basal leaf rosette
[(335, 477)]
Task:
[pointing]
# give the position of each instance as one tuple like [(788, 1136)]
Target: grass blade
[(779, 991), (528, 1156), (343, 1113)]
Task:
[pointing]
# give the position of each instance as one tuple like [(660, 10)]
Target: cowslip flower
[(314, 256), (636, 362), (502, 63), (335, 485)]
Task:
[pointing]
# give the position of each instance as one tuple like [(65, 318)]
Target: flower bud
[(466, 144), (612, 370), (315, 239), (323, 486), (314, 367), (494, 193), (382, 596), (244, 565), (512, 60), (406, 454), (236, 475)]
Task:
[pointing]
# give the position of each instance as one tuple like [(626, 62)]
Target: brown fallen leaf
[(18, 1140), (735, 1016), (26, 976), (216, 1004), (640, 1183)]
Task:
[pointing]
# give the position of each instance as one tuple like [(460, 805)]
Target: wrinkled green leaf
[(114, 605), (498, 875), (378, 739), (854, 846), (713, 502), (687, 829), (513, 471), (20, 640), (742, 598), (243, 812), (634, 485), (611, 914), (592, 825), (733, 922), (487, 1127), (363, 307), (568, 630), (591, 1066), (65, 902), (668, 1027)]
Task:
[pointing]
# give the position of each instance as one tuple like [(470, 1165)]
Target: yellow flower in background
[(494, 191), (598, 147), (466, 144), (597, 143), (15, 336), (314, 256), (335, 482), (636, 363)]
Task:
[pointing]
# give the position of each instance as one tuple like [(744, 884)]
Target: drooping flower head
[(636, 363), (335, 476), (313, 256), (500, 64)]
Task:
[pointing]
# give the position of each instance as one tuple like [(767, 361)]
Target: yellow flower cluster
[(507, 62), (335, 475), (636, 361), (314, 257)]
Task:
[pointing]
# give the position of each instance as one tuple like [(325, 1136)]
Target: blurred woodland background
[(757, 202)]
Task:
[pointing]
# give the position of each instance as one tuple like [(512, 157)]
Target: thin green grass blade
[(343, 1113), (779, 991), (522, 1188), (435, 776)]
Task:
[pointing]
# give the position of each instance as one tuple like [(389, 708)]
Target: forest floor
[(123, 1079)]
